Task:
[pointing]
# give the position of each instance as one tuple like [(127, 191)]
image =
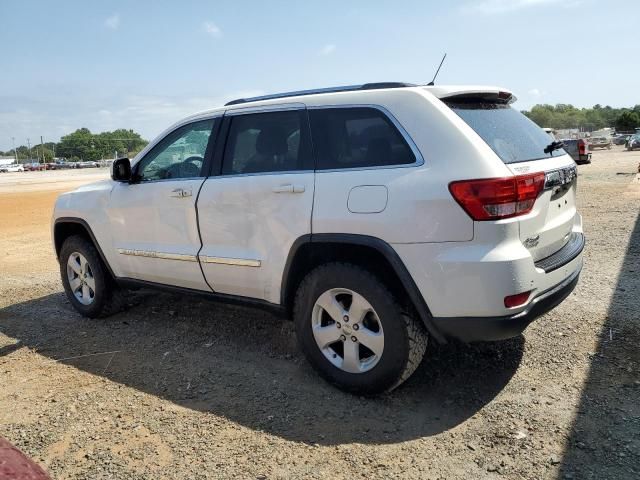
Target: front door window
[(179, 155)]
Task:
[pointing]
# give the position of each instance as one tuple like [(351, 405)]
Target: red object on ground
[(15, 465)]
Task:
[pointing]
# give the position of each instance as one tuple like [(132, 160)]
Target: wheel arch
[(371, 253), (65, 227)]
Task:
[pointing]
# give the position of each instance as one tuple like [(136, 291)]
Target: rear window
[(511, 135)]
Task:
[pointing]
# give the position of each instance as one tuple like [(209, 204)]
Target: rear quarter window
[(511, 135), (357, 137)]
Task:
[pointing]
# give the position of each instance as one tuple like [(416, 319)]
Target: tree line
[(563, 116), (83, 145)]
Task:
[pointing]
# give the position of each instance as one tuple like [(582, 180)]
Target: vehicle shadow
[(605, 436), (243, 364)]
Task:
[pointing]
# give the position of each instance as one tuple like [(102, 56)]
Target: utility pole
[(29, 149), (42, 147), (15, 152)]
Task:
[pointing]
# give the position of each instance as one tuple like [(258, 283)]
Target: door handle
[(288, 188), (180, 193)]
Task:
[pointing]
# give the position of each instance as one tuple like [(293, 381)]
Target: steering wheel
[(185, 169)]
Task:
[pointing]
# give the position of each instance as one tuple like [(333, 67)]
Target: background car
[(86, 164), (620, 139), (13, 167), (578, 149), (633, 142), (33, 167), (600, 142)]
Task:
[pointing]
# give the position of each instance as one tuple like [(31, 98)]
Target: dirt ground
[(182, 388)]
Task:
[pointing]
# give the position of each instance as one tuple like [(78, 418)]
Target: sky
[(145, 64)]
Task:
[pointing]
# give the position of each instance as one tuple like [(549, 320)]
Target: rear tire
[(364, 353), (86, 280)]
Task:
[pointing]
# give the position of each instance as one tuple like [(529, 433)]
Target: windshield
[(511, 135)]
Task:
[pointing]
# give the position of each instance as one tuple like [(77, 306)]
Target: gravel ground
[(182, 388)]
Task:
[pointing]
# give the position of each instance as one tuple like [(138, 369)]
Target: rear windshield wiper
[(553, 146)]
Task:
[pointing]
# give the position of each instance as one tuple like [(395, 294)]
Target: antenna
[(430, 84)]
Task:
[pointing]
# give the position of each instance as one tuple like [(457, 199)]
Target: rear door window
[(357, 137), (511, 135), (267, 142)]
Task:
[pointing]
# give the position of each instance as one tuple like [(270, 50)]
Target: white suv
[(376, 216)]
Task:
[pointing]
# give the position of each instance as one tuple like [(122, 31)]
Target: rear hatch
[(526, 149)]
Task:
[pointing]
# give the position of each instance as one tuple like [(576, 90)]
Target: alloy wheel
[(347, 330), (81, 280)]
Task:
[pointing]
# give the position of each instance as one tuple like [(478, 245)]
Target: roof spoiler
[(497, 97)]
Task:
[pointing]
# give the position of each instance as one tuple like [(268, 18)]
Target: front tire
[(87, 283), (353, 331)]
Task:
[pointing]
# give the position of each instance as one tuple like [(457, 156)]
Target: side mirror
[(121, 170)]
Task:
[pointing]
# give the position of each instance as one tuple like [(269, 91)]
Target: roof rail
[(300, 93)]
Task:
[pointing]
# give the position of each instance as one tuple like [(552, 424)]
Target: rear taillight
[(495, 198), (582, 147)]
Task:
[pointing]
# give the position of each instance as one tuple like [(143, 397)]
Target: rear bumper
[(565, 255), (584, 158), (473, 329)]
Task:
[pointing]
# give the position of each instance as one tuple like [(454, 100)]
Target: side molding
[(162, 255), (241, 262)]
